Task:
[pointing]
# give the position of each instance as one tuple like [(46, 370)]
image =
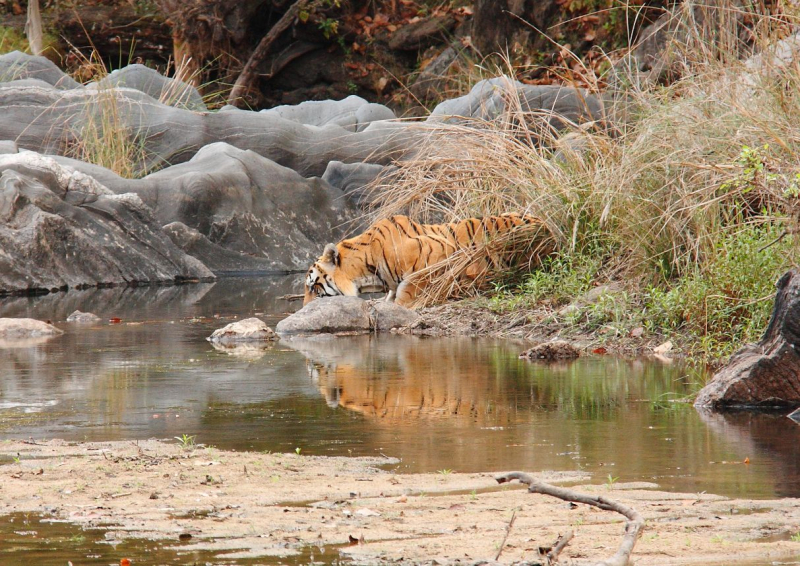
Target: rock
[(169, 91), (21, 328), (557, 106), (766, 374), (83, 317), (244, 212), (386, 316), (247, 330), (346, 315), (423, 33), (238, 212), (48, 120), (18, 66), (352, 113), (555, 350), (60, 228), (353, 179)]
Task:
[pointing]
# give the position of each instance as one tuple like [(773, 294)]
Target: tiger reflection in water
[(403, 377)]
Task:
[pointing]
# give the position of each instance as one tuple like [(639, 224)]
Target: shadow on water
[(455, 403)]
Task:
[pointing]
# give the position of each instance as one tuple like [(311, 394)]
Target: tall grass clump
[(682, 194)]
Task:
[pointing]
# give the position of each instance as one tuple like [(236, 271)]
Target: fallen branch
[(632, 529), (248, 75), (505, 538)]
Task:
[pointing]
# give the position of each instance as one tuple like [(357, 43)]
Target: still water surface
[(459, 404)]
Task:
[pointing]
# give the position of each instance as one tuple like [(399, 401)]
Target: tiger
[(387, 255)]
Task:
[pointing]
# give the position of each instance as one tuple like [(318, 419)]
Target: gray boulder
[(21, 328), (170, 91), (553, 105), (352, 113), (60, 228), (83, 317), (49, 121), (346, 315), (353, 179), (247, 330), (18, 66), (766, 374), (244, 212)]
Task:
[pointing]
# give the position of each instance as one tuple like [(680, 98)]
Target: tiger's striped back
[(391, 251)]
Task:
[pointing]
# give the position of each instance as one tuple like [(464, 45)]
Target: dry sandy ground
[(256, 504)]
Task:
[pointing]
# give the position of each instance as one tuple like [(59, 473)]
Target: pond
[(457, 404)]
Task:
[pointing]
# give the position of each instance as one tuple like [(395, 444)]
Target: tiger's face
[(319, 283)]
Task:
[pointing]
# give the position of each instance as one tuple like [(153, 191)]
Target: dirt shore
[(244, 504)]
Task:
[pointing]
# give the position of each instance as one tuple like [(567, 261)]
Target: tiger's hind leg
[(408, 291)]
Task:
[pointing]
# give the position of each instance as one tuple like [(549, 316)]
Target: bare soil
[(255, 504)]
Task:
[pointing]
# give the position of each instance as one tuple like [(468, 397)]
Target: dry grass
[(711, 155)]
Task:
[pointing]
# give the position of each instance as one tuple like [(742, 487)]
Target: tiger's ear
[(331, 255)]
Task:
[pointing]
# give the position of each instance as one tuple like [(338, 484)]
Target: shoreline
[(246, 505)]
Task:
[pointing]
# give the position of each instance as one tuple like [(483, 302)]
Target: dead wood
[(632, 529), (505, 538), (560, 544), (249, 75)]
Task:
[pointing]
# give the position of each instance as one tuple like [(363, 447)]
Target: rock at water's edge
[(346, 315), (555, 350), (83, 317), (766, 374), (21, 328), (247, 330)]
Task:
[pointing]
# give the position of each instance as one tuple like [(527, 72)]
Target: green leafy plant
[(186, 441)]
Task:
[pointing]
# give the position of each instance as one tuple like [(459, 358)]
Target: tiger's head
[(325, 277)]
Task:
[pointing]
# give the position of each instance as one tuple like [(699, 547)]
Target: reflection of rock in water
[(402, 377), (762, 435), (235, 294), (245, 350)]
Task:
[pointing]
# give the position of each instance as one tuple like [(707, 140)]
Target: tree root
[(632, 529)]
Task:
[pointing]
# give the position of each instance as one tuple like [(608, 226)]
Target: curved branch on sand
[(632, 529)]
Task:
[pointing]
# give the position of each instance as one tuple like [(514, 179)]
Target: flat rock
[(21, 328), (555, 350), (346, 315), (766, 374), (83, 317), (247, 330)]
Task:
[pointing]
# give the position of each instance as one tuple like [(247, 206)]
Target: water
[(457, 403)]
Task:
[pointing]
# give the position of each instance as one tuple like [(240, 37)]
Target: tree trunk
[(33, 28), (766, 374), (501, 26)]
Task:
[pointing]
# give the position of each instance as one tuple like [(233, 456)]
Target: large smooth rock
[(170, 91), (346, 315), (554, 105), (352, 113), (20, 328), (60, 228), (20, 66), (766, 374), (48, 120), (247, 330)]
